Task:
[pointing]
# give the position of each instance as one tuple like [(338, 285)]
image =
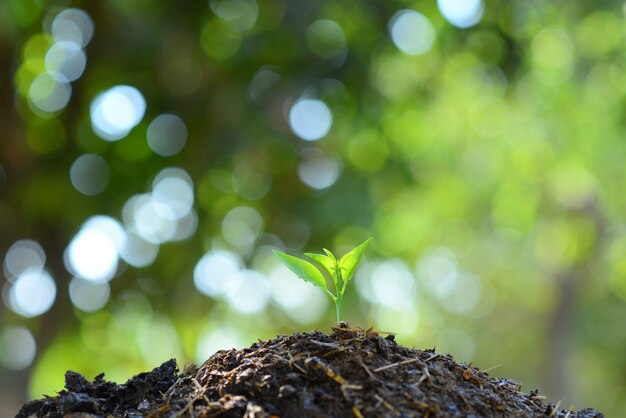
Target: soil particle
[(349, 373)]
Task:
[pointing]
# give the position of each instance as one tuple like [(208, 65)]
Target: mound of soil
[(349, 373)]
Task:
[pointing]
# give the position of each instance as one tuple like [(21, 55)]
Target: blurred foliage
[(486, 162)]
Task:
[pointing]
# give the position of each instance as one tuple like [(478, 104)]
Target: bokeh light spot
[(138, 252), (33, 293), (241, 15), (73, 25), (23, 255), (310, 119), (90, 174), (552, 48), (263, 84), (216, 272), (317, 170), (89, 296), (249, 294), (462, 13), (116, 111), (437, 270), (17, 348), (241, 226), (167, 135), (221, 339), (93, 253), (173, 188), (325, 38), (67, 58), (411, 32), (50, 92)]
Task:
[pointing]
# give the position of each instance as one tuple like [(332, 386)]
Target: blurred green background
[(153, 153)]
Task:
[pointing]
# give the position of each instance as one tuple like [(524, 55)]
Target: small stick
[(356, 412), (329, 372), (400, 363), (434, 356), (387, 404), (492, 367), (369, 372), (569, 411), (555, 409), (331, 345)]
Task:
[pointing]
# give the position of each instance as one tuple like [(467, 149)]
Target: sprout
[(341, 271)]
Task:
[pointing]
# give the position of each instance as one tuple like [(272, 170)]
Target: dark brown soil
[(350, 373)]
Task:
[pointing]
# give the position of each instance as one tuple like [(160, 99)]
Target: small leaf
[(325, 261), (303, 269), (348, 262), (335, 271), (331, 255)]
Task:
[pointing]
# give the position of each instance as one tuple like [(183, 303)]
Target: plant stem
[(339, 305)]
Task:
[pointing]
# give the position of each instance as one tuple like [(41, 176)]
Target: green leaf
[(303, 269), (330, 255), (324, 260), (348, 262)]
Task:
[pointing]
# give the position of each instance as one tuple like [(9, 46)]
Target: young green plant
[(340, 271)]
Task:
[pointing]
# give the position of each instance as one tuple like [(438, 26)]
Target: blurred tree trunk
[(571, 283)]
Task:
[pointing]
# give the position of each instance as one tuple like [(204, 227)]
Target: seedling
[(340, 271)]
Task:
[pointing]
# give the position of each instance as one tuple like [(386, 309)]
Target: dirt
[(350, 373)]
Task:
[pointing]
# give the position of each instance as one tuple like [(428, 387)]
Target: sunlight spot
[(23, 255), (462, 13), (186, 226), (93, 253), (220, 339), (216, 272), (50, 92), (138, 252), (167, 135), (248, 294), (17, 348), (389, 284), (552, 48), (393, 284), (310, 119), (173, 188), (33, 293), (318, 171), (241, 226), (116, 111), (67, 58), (150, 219), (465, 295), (411, 32), (325, 38), (263, 84), (89, 296), (437, 270), (73, 25), (90, 174), (159, 341), (240, 14)]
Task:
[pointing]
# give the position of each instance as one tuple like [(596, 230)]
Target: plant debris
[(349, 373)]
